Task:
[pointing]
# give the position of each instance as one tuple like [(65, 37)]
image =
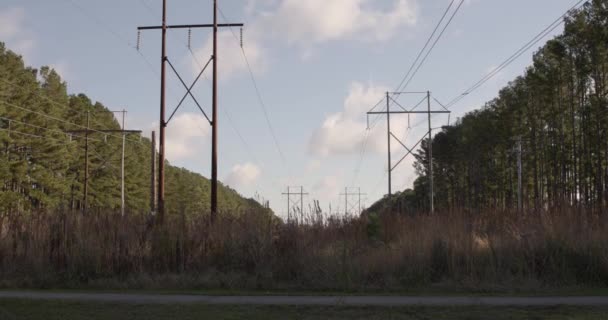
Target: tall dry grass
[(255, 251)]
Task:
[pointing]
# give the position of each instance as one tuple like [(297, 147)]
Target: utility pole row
[(87, 132)]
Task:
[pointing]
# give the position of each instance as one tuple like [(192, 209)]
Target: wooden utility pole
[(429, 112), (163, 124), (214, 121), (430, 150), (519, 176), (290, 204), (388, 143), (85, 190), (153, 174), (214, 117), (347, 205), (122, 165), (87, 132)]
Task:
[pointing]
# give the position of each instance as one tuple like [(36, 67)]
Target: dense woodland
[(559, 110), (42, 166)]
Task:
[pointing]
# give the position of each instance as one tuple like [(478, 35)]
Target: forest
[(42, 158), (554, 118), (557, 110)]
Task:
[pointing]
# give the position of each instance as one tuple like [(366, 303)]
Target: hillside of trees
[(559, 110), (42, 167)]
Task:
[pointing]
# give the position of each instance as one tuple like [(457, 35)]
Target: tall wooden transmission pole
[(347, 206), (214, 116), (427, 97), (290, 203)]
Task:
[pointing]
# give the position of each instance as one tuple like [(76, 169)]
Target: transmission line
[(61, 120), (259, 98), (515, 55), (433, 46), (409, 71)]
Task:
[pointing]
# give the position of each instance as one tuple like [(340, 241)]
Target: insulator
[(408, 121), (449, 116), (241, 37), (105, 138), (189, 38), (138, 39)]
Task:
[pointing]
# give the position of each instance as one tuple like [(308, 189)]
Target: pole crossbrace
[(189, 90), (188, 93)]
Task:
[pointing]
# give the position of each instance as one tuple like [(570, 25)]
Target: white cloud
[(243, 175), (10, 22), (231, 61), (327, 188), (12, 30), (313, 165), (317, 21), (184, 134), (345, 132)]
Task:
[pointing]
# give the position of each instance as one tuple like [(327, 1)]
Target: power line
[(58, 119), (111, 31), (409, 74), (259, 98), (425, 46), (64, 106), (515, 55), (433, 46), (31, 125), (10, 131)]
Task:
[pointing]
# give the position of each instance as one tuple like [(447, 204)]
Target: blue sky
[(319, 65)]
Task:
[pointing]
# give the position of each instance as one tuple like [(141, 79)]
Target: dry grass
[(251, 250)]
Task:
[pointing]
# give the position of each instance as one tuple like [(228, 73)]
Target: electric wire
[(61, 120), (262, 104), (546, 31), (409, 71), (432, 47)]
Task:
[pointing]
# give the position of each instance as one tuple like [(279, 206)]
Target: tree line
[(42, 158), (558, 110)]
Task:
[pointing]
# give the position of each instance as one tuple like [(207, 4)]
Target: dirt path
[(310, 300)]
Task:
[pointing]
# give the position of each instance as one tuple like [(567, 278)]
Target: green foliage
[(42, 167), (559, 109)]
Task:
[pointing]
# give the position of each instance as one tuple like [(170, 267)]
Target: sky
[(318, 65)]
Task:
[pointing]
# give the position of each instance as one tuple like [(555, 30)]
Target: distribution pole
[(86, 167), (388, 137), (288, 205), (519, 179), (122, 165), (163, 124), (153, 174), (301, 200), (359, 194), (345, 202), (430, 149)]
